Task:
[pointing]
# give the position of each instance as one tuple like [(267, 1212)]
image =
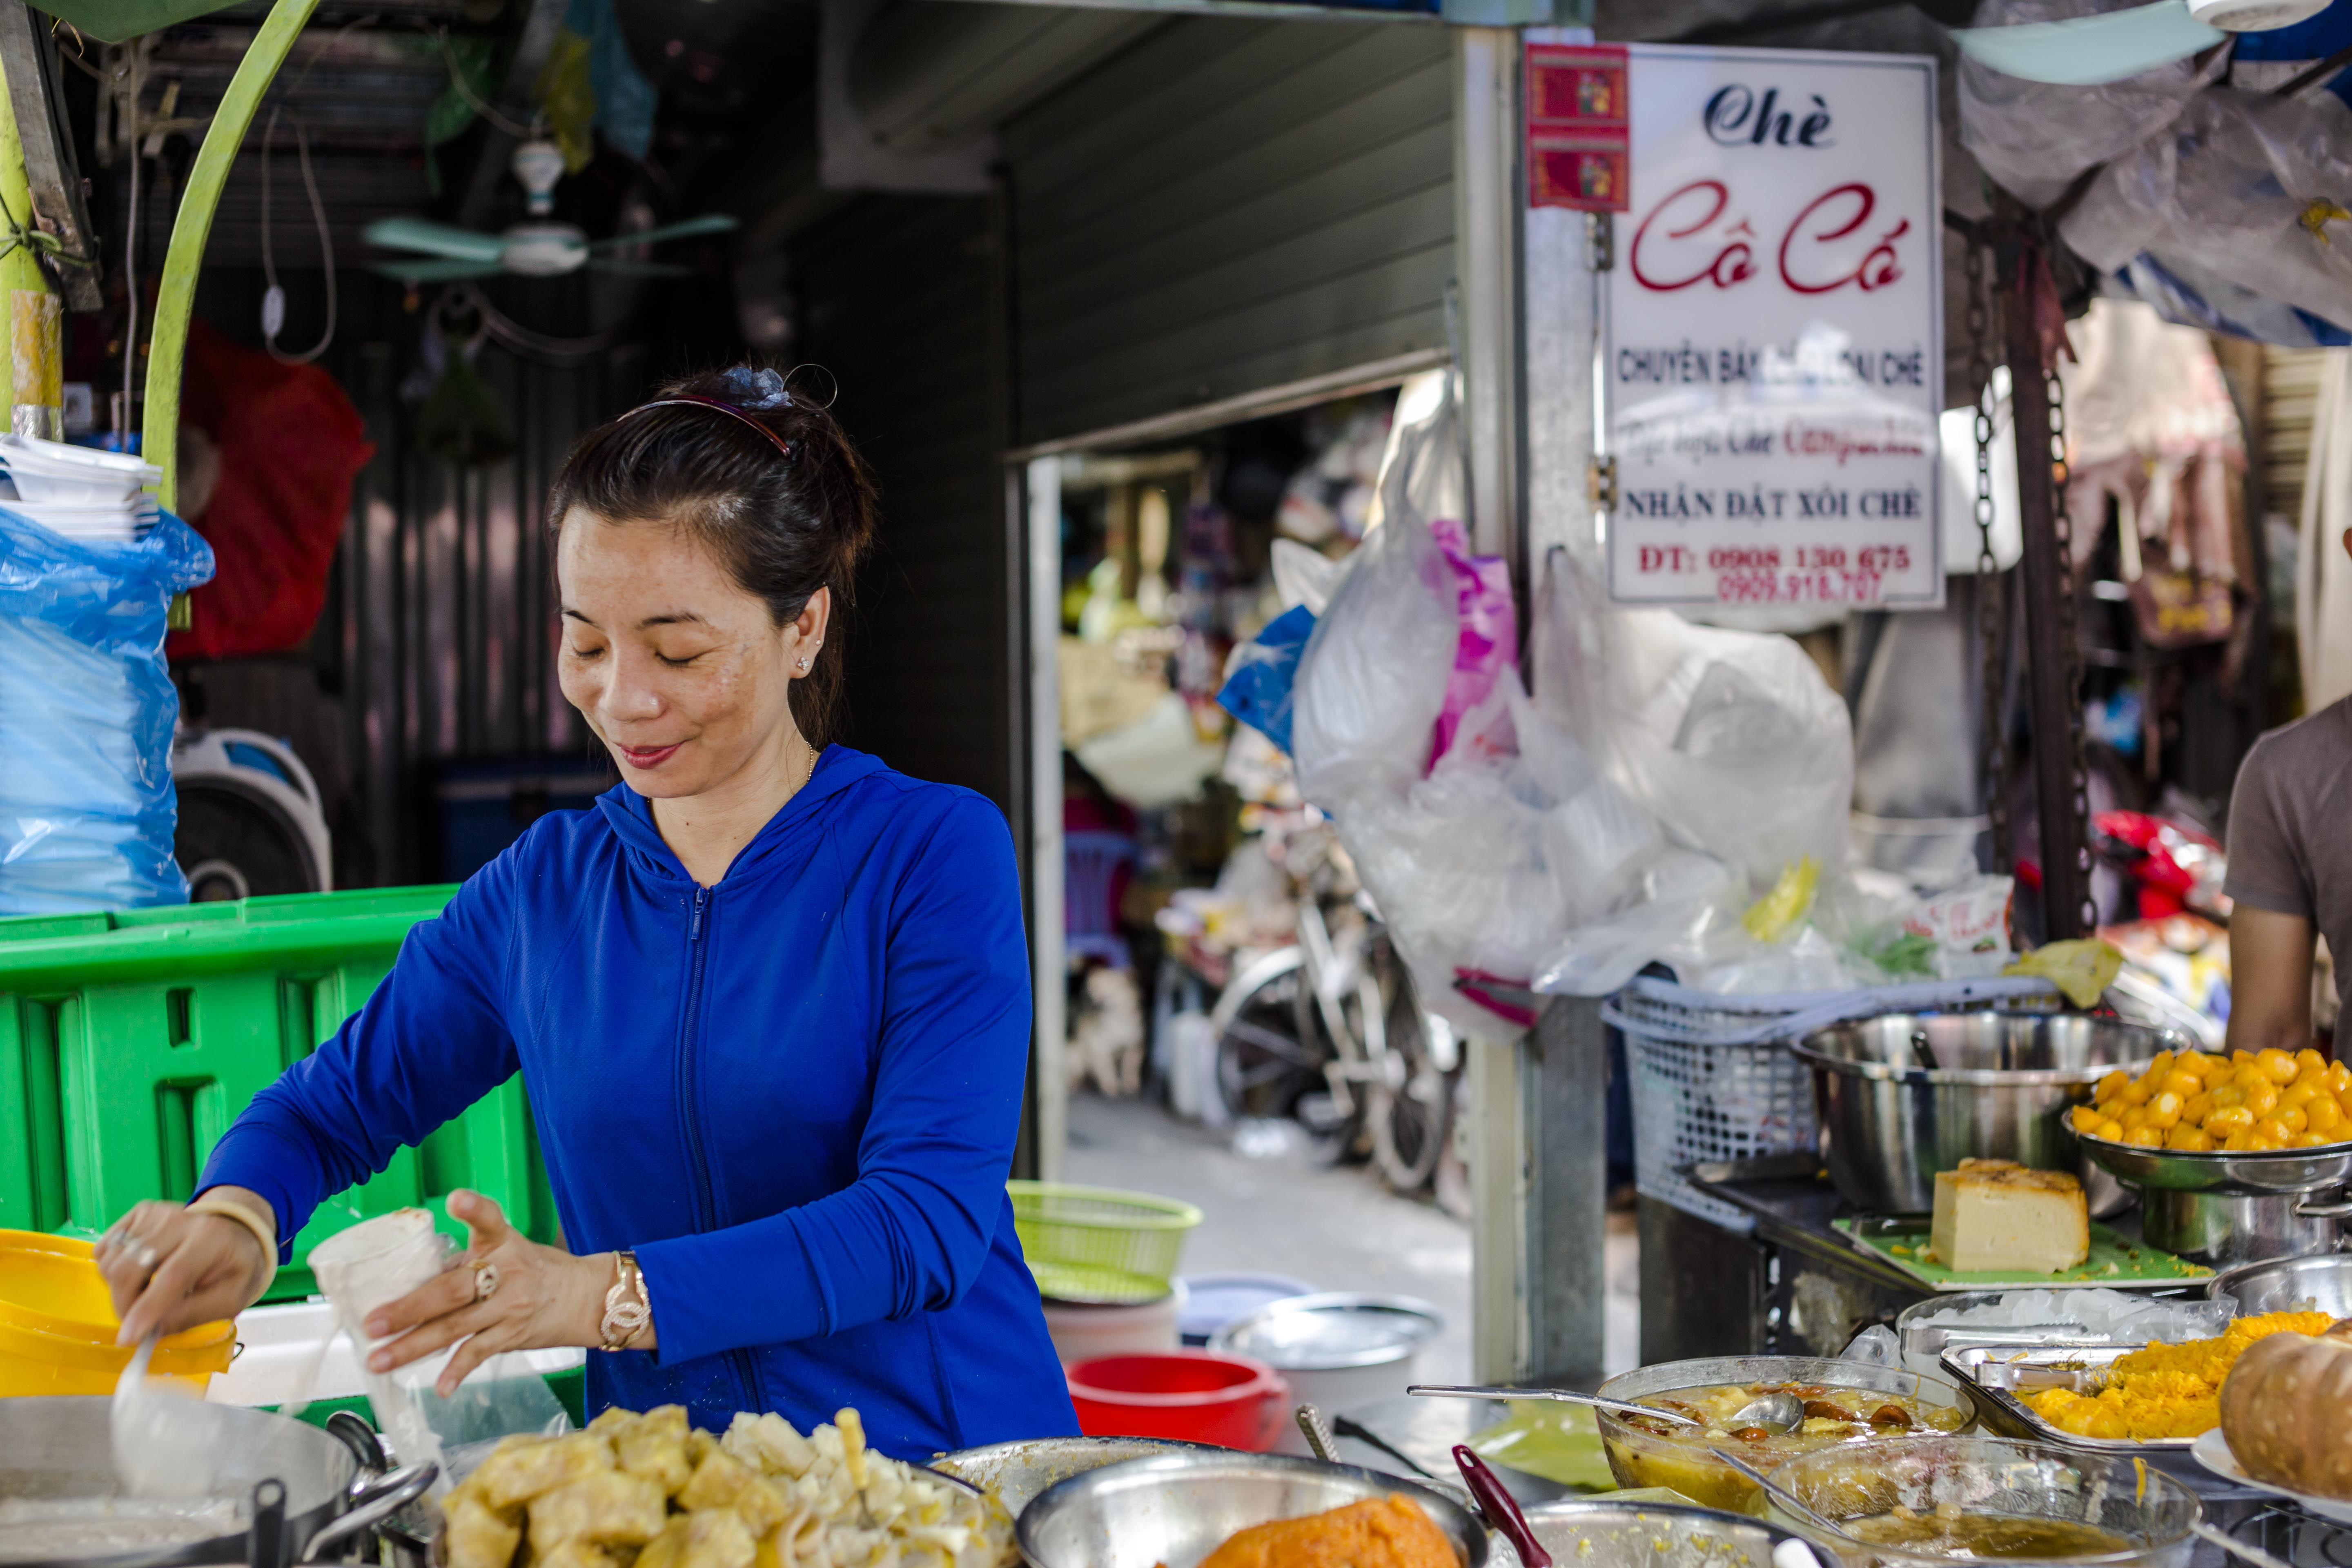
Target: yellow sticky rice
[(2166, 1391)]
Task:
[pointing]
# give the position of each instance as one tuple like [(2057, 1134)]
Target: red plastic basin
[(1196, 1396)]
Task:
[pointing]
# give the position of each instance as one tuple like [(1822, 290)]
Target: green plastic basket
[(1098, 1244)]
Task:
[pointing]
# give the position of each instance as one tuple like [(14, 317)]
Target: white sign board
[(1773, 335)]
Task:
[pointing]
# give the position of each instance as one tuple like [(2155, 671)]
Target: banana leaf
[(112, 21)]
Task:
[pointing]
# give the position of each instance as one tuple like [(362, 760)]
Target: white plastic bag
[(1731, 739), (2034, 138), (1372, 681), (2223, 191)]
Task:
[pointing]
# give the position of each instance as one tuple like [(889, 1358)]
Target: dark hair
[(785, 524)]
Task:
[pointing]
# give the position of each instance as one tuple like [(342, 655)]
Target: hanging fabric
[(2323, 572)]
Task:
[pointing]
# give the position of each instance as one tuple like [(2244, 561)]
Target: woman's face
[(682, 675)]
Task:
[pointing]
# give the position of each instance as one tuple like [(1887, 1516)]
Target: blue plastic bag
[(1257, 692), (87, 712)]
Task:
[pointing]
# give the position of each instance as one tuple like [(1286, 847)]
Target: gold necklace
[(807, 773)]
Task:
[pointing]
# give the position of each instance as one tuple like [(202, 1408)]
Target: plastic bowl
[(1687, 1463), (57, 1325), (2154, 1514), (1191, 1396)]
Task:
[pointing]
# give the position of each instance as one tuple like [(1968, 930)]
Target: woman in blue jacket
[(770, 1000)]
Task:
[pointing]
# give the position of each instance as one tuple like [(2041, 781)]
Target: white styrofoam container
[(276, 1345)]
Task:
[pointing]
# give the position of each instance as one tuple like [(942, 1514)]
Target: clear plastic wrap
[(1372, 681), (2034, 138), (2225, 191), (87, 711)]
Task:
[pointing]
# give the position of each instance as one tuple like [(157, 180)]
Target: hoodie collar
[(631, 817)]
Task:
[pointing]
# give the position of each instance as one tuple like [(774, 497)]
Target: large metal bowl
[(1656, 1535), (2321, 1284), (1176, 1508), (2242, 1171), (1018, 1471), (1999, 1089), (58, 1450)]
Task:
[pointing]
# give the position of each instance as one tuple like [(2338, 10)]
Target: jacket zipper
[(706, 1215)]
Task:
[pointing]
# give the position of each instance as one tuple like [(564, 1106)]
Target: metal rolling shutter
[(1229, 206)]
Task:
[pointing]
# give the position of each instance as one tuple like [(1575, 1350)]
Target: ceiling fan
[(2084, 51), (539, 247)]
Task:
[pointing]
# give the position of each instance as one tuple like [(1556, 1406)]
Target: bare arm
[(2270, 980)]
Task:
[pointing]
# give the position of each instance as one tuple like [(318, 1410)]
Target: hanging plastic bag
[(1488, 642), (87, 711), (1733, 739), (1262, 674), (1372, 679), (2241, 186), (2034, 138)]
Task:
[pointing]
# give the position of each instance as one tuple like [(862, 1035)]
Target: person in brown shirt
[(2290, 850)]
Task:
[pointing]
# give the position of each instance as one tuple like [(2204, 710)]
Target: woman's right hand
[(169, 1269)]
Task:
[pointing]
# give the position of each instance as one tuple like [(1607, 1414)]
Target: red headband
[(790, 449)]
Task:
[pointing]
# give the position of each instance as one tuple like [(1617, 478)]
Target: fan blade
[(2085, 51), (638, 268), (435, 271), (708, 223), (436, 239)]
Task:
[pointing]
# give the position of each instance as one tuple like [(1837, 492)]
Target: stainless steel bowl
[(1017, 1471), (1999, 1088), (2246, 1171), (2289, 1285), (1656, 1535), (1176, 1508), (56, 1450)]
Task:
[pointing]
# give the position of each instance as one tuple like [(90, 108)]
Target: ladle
[(1779, 1411), (1559, 1396)]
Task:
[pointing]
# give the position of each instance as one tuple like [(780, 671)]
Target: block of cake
[(1997, 1214)]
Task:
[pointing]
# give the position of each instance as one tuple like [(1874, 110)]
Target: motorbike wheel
[(1264, 1065)]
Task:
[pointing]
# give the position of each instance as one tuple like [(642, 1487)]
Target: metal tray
[(1992, 1375)]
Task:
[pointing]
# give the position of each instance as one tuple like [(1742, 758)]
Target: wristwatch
[(628, 1309)]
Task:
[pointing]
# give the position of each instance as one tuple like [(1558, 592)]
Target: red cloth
[(290, 445)]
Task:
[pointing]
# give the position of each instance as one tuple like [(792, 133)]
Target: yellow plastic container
[(57, 1325)]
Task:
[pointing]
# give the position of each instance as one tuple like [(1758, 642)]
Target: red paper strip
[(1578, 146)]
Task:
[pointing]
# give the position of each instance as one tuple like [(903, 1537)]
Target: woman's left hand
[(506, 1293)]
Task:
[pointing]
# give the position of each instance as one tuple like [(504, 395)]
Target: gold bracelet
[(262, 1233), (629, 1306)]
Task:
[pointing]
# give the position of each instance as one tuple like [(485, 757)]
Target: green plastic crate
[(129, 1040)]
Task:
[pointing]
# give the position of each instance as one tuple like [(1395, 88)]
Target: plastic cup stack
[(80, 492), (360, 1269)]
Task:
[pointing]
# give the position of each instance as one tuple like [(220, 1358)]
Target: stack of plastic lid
[(80, 492)]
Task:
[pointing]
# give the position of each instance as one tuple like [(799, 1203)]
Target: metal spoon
[(1779, 1411), (1318, 1435), (1780, 1493), (1559, 1395)]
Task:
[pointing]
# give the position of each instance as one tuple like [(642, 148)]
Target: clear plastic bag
[(2224, 192), (1731, 739), (87, 711), (2034, 138)]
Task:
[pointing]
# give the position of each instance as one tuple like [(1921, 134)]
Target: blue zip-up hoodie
[(794, 1094)]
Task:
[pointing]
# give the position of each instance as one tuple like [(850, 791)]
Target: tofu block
[(1996, 1215), (518, 1474), (657, 1453), (476, 1535), (716, 1481), (613, 1507), (715, 1537)]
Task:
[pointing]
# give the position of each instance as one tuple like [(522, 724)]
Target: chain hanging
[(1992, 619), (2078, 770)]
